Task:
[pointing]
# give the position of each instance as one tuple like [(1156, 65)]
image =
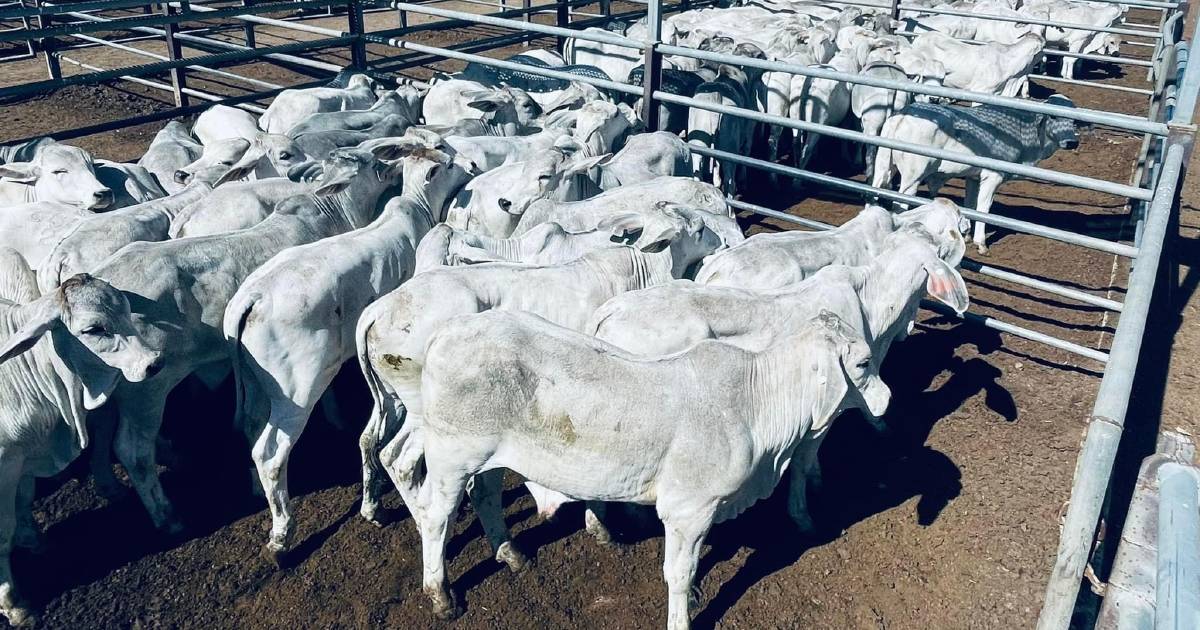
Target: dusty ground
[(948, 521)]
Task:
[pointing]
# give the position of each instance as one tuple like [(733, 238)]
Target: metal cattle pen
[(1152, 192)]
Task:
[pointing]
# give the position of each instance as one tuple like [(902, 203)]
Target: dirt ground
[(948, 520)]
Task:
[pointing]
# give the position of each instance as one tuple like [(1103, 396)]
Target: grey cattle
[(647, 196), (392, 333), (989, 68), (713, 130), (131, 184), (701, 435), (222, 122), (874, 105), (776, 260), (236, 206), (181, 288), (879, 300), (291, 323), (644, 157), (404, 101), (264, 155), (494, 202), (450, 102), (172, 148), (57, 173), (988, 131), (33, 229), (60, 355), (96, 237), (320, 143), (550, 244), (291, 107)]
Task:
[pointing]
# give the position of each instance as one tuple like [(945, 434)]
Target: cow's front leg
[(140, 409), (683, 539), (485, 491), (984, 191), (28, 535), (11, 606)]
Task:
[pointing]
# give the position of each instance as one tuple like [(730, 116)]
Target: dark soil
[(948, 520)]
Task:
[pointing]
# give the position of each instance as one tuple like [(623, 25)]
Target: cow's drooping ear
[(22, 172), (244, 166), (579, 165), (390, 148), (47, 314), (824, 384), (486, 100), (626, 227), (946, 285)]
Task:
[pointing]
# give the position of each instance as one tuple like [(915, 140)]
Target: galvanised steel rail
[(1021, 19), (212, 98)]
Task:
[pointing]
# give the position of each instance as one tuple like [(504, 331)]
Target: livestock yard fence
[(219, 36)]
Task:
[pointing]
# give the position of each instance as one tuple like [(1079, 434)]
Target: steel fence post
[(358, 48), (46, 45), (175, 52), (527, 15), (562, 19), (248, 27), (651, 66)]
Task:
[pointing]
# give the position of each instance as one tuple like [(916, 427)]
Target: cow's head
[(543, 174), (92, 331), (681, 231), (1059, 133), (945, 224), (504, 105), (834, 370), (598, 127), (215, 162), (61, 173)]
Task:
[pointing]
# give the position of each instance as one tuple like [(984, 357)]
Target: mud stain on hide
[(562, 428)]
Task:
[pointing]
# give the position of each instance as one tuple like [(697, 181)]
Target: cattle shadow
[(867, 472)]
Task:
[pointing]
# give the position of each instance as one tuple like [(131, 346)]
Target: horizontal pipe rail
[(292, 26), (1000, 166), (906, 8), (1125, 122), (63, 30), (1093, 84), (51, 9), (867, 191), (988, 321), (197, 41), (970, 265), (200, 69), (603, 38), (163, 66), (489, 61), (212, 98)]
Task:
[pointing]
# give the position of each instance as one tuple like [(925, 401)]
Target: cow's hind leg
[(380, 429), (439, 497), (28, 535), (985, 191), (11, 605), (683, 539), (485, 491), (270, 453)]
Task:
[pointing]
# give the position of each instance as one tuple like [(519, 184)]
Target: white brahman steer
[(1077, 40), (392, 333), (222, 122), (1012, 136), (451, 102), (238, 205), (265, 155), (291, 323), (404, 101), (713, 130), (644, 157), (60, 355), (550, 244), (172, 148), (83, 247), (989, 68), (648, 196), (823, 102), (131, 184), (57, 173), (33, 229), (776, 260), (182, 287), (575, 414), (874, 105), (293, 106), (879, 301), (492, 203)]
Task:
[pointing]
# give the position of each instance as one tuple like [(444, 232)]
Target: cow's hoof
[(597, 529), (445, 606), (379, 517), (276, 554), (509, 554), (982, 248), (20, 616)]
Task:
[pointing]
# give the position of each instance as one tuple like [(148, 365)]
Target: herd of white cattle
[(527, 281)]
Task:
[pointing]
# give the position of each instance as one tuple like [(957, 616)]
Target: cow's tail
[(237, 316), (382, 424)]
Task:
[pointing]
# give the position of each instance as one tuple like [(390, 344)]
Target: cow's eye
[(96, 331), (61, 171), (284, 155), (543, 178), (227, 163)]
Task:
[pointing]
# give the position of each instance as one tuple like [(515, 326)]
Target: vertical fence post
[(46, 45), (175, 51), (248, 27), (651, 75), (895, 9), (562, 19), (358, 48)]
